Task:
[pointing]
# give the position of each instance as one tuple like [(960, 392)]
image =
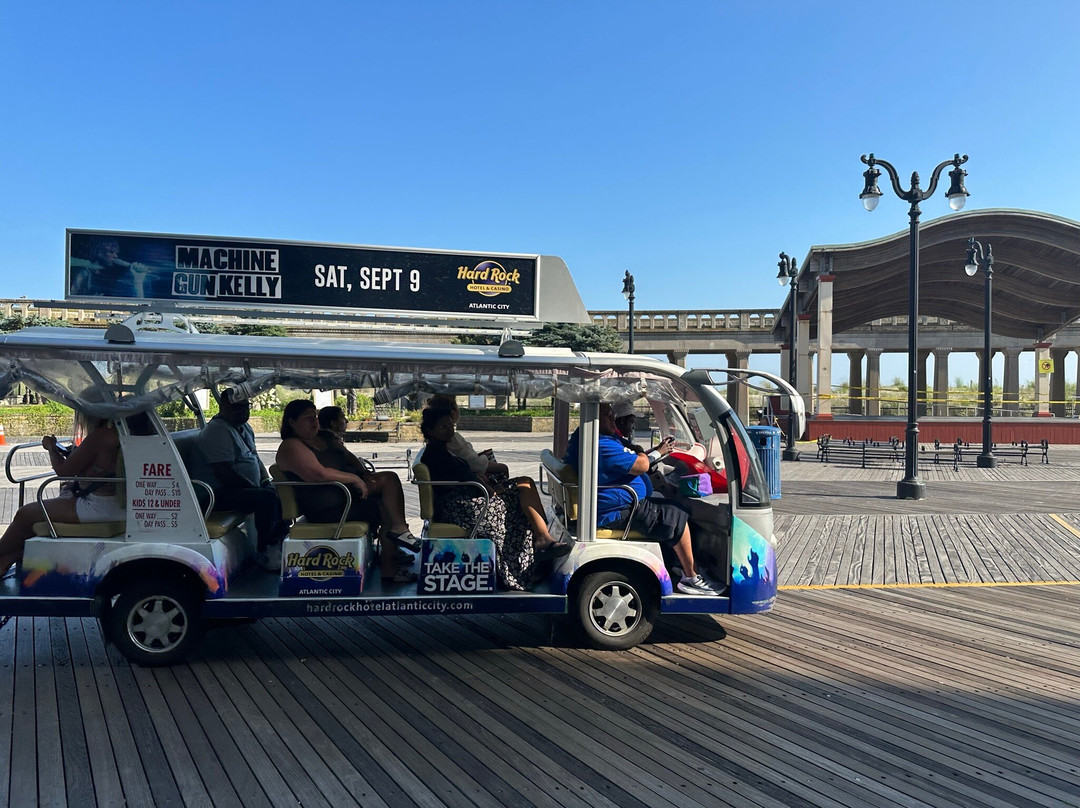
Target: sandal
[(404, 558), (549, 552), (406, 539), (402, 576)]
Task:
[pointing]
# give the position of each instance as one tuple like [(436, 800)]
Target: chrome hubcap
[(157, 624), (615, 609)]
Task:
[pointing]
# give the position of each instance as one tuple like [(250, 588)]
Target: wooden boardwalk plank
[(105, 776)]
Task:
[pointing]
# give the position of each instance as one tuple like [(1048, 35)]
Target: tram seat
[(562, 481), (301, 528), (425, 487), (218, 523), (81, 530)]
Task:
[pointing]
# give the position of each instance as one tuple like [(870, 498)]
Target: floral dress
[(505, 523)]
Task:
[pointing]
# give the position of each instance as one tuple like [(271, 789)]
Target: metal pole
[(911, 487), (631, 334), (986, 459), (790, 452)]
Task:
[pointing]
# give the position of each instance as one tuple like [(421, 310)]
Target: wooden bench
[(371, 431), (864, 453), (562, 485)]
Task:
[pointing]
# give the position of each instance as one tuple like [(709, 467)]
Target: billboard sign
[(209, 272)]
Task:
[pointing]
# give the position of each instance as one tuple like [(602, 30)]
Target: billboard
[(210, 272)]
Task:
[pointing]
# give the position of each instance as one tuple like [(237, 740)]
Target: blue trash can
[(766, 440)]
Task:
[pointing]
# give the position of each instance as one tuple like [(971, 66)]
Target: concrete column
[(920, 375), (804, 362), (873, 381), (785, 362), (738, 394), (824, 329), (1057, 382), (1042, 380), (855, 385), (678, 357), (1010, 383), (941, 382), (1076, 390)]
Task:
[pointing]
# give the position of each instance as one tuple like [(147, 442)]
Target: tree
[(257, 330), (18, 322), (576, 337)]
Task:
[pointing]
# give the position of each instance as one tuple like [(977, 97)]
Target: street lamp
[(628, 293), (911, 487), (789, 272), (975, 257)]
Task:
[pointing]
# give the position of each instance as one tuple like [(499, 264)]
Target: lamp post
[(975, 258), (789, 273), (628, 293), (911, 487)]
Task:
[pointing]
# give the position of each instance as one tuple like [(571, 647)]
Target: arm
[(96, 444), (294, 456)]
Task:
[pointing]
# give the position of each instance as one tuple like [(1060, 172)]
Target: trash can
[(766, 440)]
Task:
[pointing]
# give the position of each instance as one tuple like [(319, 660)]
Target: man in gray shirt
[(225, 459)]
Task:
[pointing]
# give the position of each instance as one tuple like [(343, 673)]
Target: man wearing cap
[(663, 520), (225, 459)]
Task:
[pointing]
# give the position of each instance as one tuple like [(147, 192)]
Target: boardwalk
[(862, 688)]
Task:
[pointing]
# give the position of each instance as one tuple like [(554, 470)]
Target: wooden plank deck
[(870, 689)]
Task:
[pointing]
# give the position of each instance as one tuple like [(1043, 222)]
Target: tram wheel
[(156, 622), (615, 611)]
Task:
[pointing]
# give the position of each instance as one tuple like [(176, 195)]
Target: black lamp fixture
[(911, 487), (789, 273), (628, 293), (976, 257)]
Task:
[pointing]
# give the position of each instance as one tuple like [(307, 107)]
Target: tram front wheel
[(615, 611)]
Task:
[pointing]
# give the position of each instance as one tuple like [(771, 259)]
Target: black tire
[(614, 611), (156, 622)]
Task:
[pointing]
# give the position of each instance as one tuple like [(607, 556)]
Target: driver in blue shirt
[(663, 520)]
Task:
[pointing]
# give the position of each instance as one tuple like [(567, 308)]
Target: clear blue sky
[(688, 142)]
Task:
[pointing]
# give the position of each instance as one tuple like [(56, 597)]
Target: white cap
[(622, 409)]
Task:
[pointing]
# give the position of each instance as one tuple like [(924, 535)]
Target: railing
[(682, 320)]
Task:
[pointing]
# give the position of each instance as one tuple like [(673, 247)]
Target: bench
[(300, 527), (425, 487), (864, 453), (218, 523), (371, 431), (562, 485), (1019, 450)]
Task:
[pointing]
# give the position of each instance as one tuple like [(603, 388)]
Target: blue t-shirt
[(613, 468)]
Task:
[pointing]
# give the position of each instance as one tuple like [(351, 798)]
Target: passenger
[(515, 520), (663, 520), (225, 458), (333, 424), (96, 456), (307, 455), (479, 462)]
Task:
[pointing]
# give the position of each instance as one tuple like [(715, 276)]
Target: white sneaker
[(696, 586), (270, 558)]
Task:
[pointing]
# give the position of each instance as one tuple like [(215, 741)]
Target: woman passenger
[(515, 520), (305, 455), (96, 456), (479, 462)]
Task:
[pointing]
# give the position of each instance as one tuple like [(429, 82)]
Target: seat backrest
[(563, 480), (422, 474), (290, 510)]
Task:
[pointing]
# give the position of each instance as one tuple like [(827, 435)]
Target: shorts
[(663, 520), (100, 508)]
